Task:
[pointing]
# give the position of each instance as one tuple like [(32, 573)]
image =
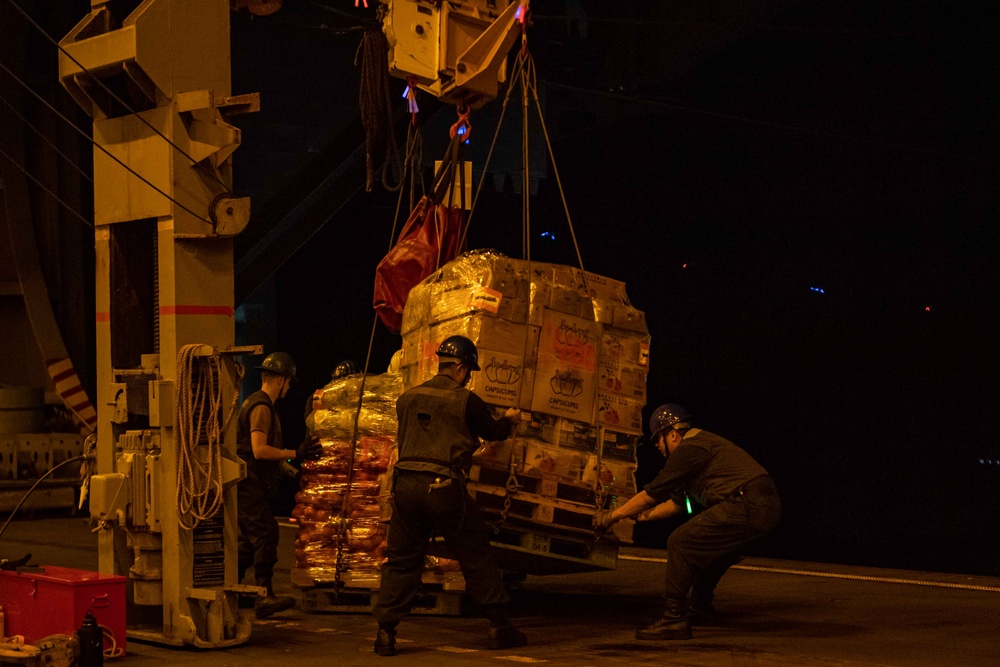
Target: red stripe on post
[(226, 311), (102, 317)]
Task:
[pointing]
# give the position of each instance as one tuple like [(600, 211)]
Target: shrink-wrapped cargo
[(338, 506), (564, 345)]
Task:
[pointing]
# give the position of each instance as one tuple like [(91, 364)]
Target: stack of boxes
[(567, 348)]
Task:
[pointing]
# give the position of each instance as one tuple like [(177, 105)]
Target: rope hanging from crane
[(376, 109)]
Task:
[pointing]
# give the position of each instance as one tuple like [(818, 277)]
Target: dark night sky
[(833, 146)]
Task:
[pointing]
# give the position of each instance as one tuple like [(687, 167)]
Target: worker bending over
[(440, 423), (741, 504), (259, 444)]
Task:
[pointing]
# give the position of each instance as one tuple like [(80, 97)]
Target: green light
[(688, 499)]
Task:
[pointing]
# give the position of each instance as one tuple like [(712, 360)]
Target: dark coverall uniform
[(258, 544), (741, 504), (440, 424)]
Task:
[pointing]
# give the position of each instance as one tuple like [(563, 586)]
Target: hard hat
[(279, 363), (345, 368), (462, 349), (666, 417)]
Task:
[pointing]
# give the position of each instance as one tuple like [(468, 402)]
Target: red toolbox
[(53, 600)]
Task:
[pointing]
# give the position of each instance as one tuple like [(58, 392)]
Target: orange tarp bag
[(430, 238)]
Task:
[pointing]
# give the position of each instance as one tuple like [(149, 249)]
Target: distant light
[(684, 265), (927, 309), (818, 290), (519, 14), (461, 130), (548, 235), (406, 92), (688, 499)]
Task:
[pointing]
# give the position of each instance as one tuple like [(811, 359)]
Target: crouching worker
[(440, 423), (741, 504)]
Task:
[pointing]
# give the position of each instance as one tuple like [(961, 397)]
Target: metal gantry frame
[(156, 83)]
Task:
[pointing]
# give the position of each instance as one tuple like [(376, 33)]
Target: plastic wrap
[(338, 504), (564, 345)]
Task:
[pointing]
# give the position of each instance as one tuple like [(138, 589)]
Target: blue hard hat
[(668, 416), (462, 349)]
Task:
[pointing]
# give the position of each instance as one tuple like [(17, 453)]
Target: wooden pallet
[(440, 595), (541, 485), (534, 551), (535, 509)]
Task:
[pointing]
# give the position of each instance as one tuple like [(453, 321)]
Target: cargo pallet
[(533, 508), (441, 594), (536, 483)]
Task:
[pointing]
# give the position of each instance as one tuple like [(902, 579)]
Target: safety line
[(834, 575), (115, 96), (42, 186), (46, 140), (97, 145)]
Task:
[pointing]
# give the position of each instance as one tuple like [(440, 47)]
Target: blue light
[(461, 130), (818, 290), (406, 93), (548, 235), (519, 13)]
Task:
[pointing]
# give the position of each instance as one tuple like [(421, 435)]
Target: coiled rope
[(198, 408)]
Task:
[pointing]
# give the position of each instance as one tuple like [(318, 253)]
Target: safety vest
[(264, 471), (433, 433)]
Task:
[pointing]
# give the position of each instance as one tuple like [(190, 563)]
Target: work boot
[(672, 625), (385, 641), (504, 637), (271, 604)]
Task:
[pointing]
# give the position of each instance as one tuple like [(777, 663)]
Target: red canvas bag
[(430, 238)]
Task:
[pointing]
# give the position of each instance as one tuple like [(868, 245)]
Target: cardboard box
[(619, 446), (499, 381), (568, 341), (619, 412), (538, 426), (576, 435), (448, 302), (627, 317), (543, 459), (502, 335), (621, 345), (622, 378), (601, 288), (604, 311), (564, 390)]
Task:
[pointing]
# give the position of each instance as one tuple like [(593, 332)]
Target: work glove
[(603, 519), (309, 450)]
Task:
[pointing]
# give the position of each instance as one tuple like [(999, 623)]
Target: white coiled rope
[(198, 403)]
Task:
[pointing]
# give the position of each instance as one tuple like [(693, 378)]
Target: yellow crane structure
[(156, 83)]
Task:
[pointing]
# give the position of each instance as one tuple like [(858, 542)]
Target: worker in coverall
[(440, 423), (741, 504), (259, 444)]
